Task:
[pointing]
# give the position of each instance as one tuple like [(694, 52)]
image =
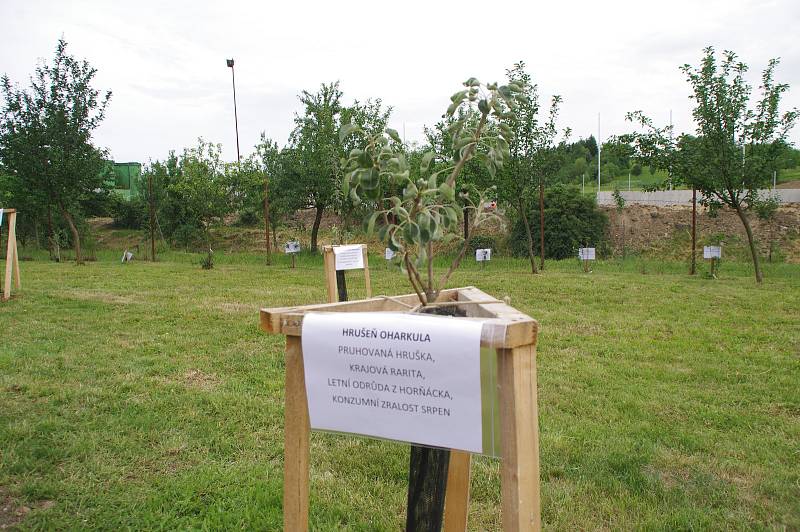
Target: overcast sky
[(165, 60)]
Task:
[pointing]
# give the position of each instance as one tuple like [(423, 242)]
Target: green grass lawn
[(144, 396)]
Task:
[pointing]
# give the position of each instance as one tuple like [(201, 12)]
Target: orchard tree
[(316, 149), (533, 155), (738, 144), (46, 136)]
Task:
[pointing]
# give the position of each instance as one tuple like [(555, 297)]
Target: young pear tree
[(427, 211)]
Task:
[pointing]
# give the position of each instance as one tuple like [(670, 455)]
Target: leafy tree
[(46, 137), (737, 145), (532, 153), (427, 211)]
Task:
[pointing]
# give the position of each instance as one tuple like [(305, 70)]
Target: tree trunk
[(54, 256), (541, 224), (466, 224), (315, 228), (275, 238), (76, 237), (751, 242), (528, 231)]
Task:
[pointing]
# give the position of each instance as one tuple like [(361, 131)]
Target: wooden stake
[(296, 449), (519, 425), (12, 255), (456, 500)]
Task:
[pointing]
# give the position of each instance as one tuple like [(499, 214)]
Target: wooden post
[(694, 231), (334, 279), (456, 499), (296, 449), (367, 282), (152, 218), (266, 219), (519, 425), (12, 255), (293, 259), (329, 262)]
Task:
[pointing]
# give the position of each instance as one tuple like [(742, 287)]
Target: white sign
[(388, 254), (586, 253), (127, 256), (293, 246), (712, 252), (1, 217), (349, 257), (412, 378), (483, 254)]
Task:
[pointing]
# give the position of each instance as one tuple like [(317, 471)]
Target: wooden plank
[(296, 449), (329, 263), (510, 329), (519, 469), (13, 232), (456, 502), (367, 281)]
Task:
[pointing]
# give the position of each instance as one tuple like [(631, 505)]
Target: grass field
[(144, 396)]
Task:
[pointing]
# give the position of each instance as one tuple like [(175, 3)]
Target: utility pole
[(235, 114)]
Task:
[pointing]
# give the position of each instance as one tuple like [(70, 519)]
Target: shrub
[(482, 242), (636, 169), (571, 220), (128, 214)]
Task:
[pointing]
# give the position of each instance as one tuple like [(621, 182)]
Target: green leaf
[(346, 130), (426, 161), (483, 106), (369, 223), (393, 134), (459, 96)]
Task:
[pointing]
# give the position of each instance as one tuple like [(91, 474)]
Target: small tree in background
[(766, 208), (737, 145), (46, 137)]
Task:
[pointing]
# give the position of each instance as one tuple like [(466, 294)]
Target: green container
[(128, 176)]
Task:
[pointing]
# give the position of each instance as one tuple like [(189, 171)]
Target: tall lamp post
[(235, 115)]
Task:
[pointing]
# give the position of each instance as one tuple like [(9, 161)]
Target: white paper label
[(349, 257), (292, 246), (712, 252), (483, 254), (586, 253), (388, 254), (411, 378)]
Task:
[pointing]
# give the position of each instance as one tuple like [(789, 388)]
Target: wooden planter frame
[(12, 255), (510, 332)]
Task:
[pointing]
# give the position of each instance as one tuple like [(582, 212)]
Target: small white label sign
[(349, 257), (411, 378), (483, 254), (293, 246), (388, 254), (712, 252), (1, 217), (586, 253)]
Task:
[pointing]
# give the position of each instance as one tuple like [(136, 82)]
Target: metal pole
[(774, 179), (152, 218), (694, 231), (235, 114), (598, 154)]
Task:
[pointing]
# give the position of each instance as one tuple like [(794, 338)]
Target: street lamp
[(235, 115)]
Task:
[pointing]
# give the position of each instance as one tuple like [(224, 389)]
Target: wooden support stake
[(296, 450), (367, 283), (12, 255), (456, 500), (329, 261), (519, 469)]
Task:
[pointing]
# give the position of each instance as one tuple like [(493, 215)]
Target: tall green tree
[(46, 136), (533, 154)]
